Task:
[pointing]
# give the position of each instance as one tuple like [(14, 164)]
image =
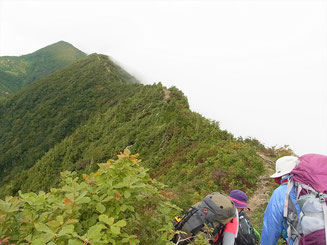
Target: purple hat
[(239, 198)]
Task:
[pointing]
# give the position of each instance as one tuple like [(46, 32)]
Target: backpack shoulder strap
[(294, 230), (218, 234), (322, 199), (178, 225), (287, 196)]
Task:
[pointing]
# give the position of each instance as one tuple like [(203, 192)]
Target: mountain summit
[(16, 72)]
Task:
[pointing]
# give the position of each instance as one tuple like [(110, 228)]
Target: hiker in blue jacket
[(274, 224)]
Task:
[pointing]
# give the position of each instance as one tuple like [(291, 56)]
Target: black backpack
[(245, 235), (213, 212)]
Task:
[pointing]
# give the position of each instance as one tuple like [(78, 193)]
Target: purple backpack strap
[(322, 199)]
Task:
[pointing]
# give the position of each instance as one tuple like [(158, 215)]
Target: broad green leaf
[(83, 200), (43, 227), (104, 218), (53, 223), (112, 241), (67, 188), (131, 208), (111, 220), (60, 219), (38, 241), (120, 223), (75, 242), (123, 207), (100, 207), (95, 231), (120, 185), (44, 238), (81, 195), (68, 229), (139, 185), (70, 196), (4, 206), (13, 208), (28, 238), (71, 221), (126, 180), (62, 233), (127, 194), (133, 241), (125, 240), (115, 230)]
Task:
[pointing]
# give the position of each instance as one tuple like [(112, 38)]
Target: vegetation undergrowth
[(118, 204)]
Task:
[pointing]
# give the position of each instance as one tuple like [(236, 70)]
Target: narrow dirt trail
[(166, 94), (262, 194)]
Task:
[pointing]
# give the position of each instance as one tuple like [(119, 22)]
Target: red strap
[(216, 238)]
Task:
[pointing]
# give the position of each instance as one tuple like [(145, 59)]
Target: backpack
[(212, 213), (246, 234), (310, 179)]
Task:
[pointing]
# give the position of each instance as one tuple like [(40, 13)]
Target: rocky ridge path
[(265, 185)]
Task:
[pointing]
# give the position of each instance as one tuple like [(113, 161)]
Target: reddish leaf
[(67, 200)]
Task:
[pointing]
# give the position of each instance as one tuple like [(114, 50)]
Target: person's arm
[(230, 232), (229, 238), (273, 218)]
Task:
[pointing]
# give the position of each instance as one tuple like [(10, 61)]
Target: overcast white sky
[(258, 67)]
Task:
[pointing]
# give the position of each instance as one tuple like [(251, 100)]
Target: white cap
[(285, 165)]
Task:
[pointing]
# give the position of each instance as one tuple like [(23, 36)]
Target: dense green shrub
[(119, 204)]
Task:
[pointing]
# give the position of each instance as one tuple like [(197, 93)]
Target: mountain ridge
[(37, 117), (76, 118), (16, 72)]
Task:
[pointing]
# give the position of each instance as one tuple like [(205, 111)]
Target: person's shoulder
[(281, 189), (280, 192)]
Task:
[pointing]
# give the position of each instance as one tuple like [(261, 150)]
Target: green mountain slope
[(79, 117), (18, 72), (181, 148), (40, 116), (90, 111)]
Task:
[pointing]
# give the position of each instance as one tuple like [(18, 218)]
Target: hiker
[(310, 180), (246, 234), (274, 224), (215, 218)]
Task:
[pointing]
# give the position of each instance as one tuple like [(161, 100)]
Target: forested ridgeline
[(16, 72), (181, 148), (35, 119), (83, 115)]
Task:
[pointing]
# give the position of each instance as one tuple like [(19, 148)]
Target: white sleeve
[(229, 238)]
